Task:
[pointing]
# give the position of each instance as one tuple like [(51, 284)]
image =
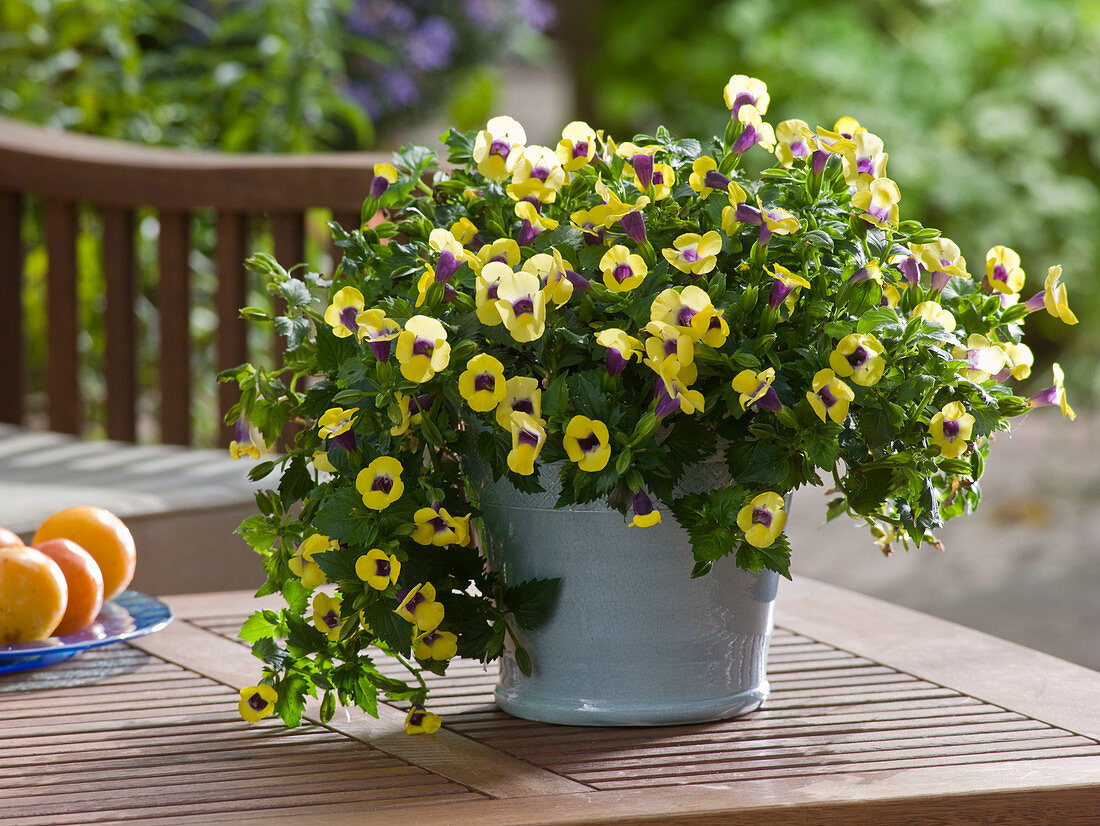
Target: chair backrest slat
[(12, 381), (62, 317), (120, 365), (231, 249), (174, 305)]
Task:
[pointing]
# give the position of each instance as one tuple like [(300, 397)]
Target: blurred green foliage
[(989, 110)]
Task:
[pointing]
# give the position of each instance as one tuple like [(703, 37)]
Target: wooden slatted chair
[(61, 177)]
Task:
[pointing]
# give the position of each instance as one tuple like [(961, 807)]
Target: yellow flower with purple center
[(486, 292), (717, 330), (950, 429), (621, 348), (380, 483), (482, 383), (301, 562), (784, 285), (864, 160), (878, 202), (622, 269), (688, 310), (403, 416), (793, 139), (756, 388), (418, 606), (532, 222), (742, 90), (772, 220), (753, 131), (335, 421), (645, 515), (587, 443), (379, 331), (378, 569), (694, 254), (503, 250), (522, 305), (858, 356), (434, 525), (662, 180), (342, 314), (763, 519), (943, 261), (450, 254), (498, 147), (326, 615), (257, 702), (1002, 270), (421, 721), (1056, 394), (829, 396), (464, 231), (1018, 361), (422, 348), (551, 270), (932, 313), (665, 342), (700, 167), (528, 437), (577, 145), (1053, 297), (983, 358), (243, 444), (538, 174), (674, 392), (385, 175), (436, 645), (522, 394), (593, 223)]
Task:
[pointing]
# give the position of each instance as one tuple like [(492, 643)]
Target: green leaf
[(776, 557), (881, 320), (387, 626), (757, 463), (867, 489), (256, 627), (532, 601), (342, 516), (555, 401)]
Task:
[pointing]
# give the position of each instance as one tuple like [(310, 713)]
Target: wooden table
[(878, 715)]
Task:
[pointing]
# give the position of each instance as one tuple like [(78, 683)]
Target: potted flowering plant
[(602, 319)]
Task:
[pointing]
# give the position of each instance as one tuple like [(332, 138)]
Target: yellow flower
[(793, 140), (983, 358), (503, 250), (645, 515), (667, 342), (587, 443), (762, 520), (435, 526), (498, 147), (879, 202), (485, 292), (1002, 270), (620, 349), (829, 396), (1054, 296), (482, 382), (688, 310), (380, 483), (418, 607), (420, 721), (522, 305), (756, 388), (864, 160), (326, 615), (336, 420), (463, 231), (422, 348), (933, 313), (858, 356), (950, 429), (622, 269), (577, 145), (550, 269), (694, 254), (342, 313), (301, 562), (528, 437), (742, 90), (1018, 360), (436, 645), (321, 462), (378, 569), (257, 701), (538, 173), (664, 178), (379, 330), (522, 394), (699, 169)]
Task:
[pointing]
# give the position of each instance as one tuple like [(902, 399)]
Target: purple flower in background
[(400, 89), (431, 45)]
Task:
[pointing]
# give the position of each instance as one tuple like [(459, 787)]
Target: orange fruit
[(84, 579), (9, 538), (33, 594), (100, 533)]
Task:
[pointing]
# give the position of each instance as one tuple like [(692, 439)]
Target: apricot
[(9, 538), (85, 582), (33, 594), (103, 535)]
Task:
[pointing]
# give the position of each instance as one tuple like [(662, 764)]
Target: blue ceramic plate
[(128, 615)]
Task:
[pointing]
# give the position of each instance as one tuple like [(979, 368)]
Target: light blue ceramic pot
[(633, 639)]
